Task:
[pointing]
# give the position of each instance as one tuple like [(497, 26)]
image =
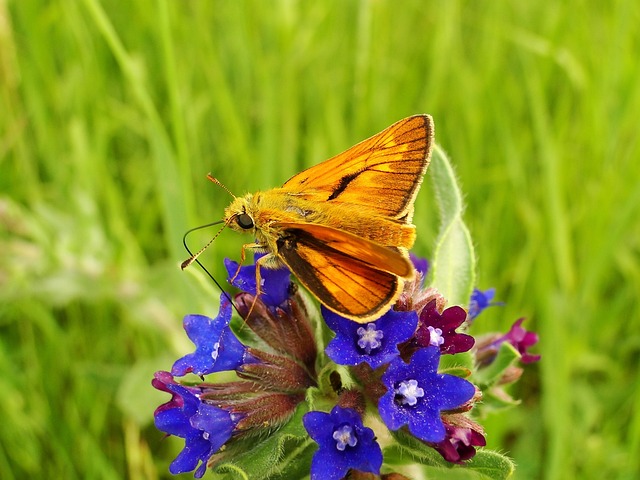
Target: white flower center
[(369, 337), (344, 436), (435, 336), (409, 392)]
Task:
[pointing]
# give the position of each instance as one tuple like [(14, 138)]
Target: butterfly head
[(238, 215)]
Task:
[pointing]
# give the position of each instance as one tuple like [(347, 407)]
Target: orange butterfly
[(343, 227)]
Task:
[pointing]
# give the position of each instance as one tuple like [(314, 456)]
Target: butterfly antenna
[(217, 182), (194, 256)]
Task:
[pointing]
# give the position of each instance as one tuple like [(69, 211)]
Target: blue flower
[(274, 288), (344, 443), (205, 428), (374, 343), (217, 348), (480, 301), (417, 393)]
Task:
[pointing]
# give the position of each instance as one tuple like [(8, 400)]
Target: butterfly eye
[(244, 221)]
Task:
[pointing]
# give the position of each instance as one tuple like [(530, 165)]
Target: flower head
[(374, 343), (217, 348), (344, 443), (522, 340), (417, 393), (205, 428), (272, 380), (439, 329)]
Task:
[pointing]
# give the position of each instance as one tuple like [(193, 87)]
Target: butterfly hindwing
[(346, 273)]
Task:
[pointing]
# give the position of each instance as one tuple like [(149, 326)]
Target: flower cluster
[(389, 369), (271, 382)]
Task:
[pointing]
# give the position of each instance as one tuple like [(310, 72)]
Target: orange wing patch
[(383, 172)]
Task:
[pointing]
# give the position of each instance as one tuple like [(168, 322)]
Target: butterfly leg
[(259, 264), (243, 256)]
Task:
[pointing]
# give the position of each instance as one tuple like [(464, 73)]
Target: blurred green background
[(113, 111)]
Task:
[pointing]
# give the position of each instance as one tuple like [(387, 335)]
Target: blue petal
[(397, 327), (205, 428), (330, 463), (480, 301), (275, 281), (427, 425), (421, 265), (454, 391), (196, 449), (442, 392), (217, 348), (215, 422), (175, 420), (319, 427)]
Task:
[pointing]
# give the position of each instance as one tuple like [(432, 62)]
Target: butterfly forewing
[(382, 173)]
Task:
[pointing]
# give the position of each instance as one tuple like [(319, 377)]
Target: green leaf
[(491, 464), (408, 451), (283, 454), (454, 257)]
